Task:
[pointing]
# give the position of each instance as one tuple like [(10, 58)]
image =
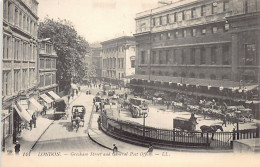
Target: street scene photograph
[(141, 82)]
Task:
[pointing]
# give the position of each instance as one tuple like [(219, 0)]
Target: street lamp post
[(145, 114)]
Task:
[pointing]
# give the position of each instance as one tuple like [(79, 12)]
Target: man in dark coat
[(99, 122), (17, 148), (34, 120), (115, 149)]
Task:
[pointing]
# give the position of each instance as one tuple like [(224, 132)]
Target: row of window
[(191, 32), (195, 12), (47, 79), (111, 74), (22, 79), (17, 49), (20, 19), (114, 49), (188, 56), (47, 48), (183, 74), (111, 63), (47, 63)]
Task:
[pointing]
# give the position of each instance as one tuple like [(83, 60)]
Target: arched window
[(166, 73), (183, 74), (160, 73)]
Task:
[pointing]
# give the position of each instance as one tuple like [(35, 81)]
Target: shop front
[(46, 100)]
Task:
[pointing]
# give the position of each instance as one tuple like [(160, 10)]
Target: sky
[(97, 20)]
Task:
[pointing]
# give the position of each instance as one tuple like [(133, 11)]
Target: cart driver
[(77, 116), (193, 118)]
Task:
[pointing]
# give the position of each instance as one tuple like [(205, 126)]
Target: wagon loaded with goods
[(184, 124)]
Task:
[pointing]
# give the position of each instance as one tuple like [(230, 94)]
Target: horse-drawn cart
[(184, 124), (77, 115)]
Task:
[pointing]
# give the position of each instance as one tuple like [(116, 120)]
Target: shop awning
[(46, 98), (54, 95), (35, 105), (25, 116)]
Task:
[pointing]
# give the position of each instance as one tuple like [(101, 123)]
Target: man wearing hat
[(115, 150), (17, 148)]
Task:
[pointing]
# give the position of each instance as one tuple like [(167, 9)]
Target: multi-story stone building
[(200, 42), (47, 72), (118, 59), (19, 67)]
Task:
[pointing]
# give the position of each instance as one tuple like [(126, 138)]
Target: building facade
[(118, 59), (19, 65), (47, 71), (200, 41), (47, 67)]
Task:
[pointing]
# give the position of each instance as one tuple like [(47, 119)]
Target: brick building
[(19, 67), (200, 42), (118, 59)]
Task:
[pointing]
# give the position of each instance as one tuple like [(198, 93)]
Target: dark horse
[(210, 129)]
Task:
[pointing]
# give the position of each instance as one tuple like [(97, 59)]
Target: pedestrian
[(34, 120), (125, 96), (168, 104), (115, 149), (150, 149), (224, 121), (77, 92), (68, 98), (44, 110), (96, 108), (99, 123), (17, 148)]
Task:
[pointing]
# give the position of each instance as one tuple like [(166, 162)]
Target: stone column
[(149, 61), (208, 55), (197, 56), (11, 13), (234, 57), (219, 55)]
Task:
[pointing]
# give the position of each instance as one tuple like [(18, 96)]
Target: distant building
[(19, 68), (97, 61), (118, 59), (200, 42)]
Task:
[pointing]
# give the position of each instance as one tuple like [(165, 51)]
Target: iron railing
[(173, 138)]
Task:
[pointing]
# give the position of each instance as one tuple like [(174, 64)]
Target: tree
[(70, 48)]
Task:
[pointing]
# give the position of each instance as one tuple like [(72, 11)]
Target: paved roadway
[(61, 137)]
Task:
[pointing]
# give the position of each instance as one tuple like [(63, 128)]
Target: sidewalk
[(29, 138)]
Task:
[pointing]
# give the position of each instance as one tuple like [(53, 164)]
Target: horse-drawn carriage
[(77, 115), (138, 107)]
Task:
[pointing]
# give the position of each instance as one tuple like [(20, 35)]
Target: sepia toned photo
[(133, 83)]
